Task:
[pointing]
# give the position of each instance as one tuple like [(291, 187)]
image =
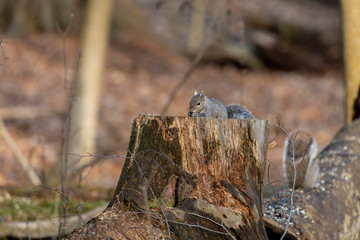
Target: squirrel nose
[(190, 114)]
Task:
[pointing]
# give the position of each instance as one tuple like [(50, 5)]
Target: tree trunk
[(331, 210), (84, 109), (188, 178), (351, 32), (196, 30)]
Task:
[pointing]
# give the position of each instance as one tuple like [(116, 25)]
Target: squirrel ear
[(195, 93), (202, 93)]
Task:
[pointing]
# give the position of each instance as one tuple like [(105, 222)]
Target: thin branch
[(158, 217), (63, 196), (26, 112), (294, 180), (94, 160), (63, 35), (268, 175), (155, 198), (34, 178), (4, 57), (194, 64), (76, 207), (172, 163), (216, 223), (66, 128), (163, 217)]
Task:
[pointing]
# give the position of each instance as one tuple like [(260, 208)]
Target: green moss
[(168, 203), (153, 204), (158, 155), (94, 204), (22, 209), (183, 191), (27, 209), (135, 180)]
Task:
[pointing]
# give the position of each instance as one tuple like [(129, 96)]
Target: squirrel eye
[(198, 103)]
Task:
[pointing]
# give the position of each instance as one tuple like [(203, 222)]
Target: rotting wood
[(330, 210), (190, 178)]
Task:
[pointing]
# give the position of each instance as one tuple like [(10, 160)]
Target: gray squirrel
[(203, 106), (300, 148)]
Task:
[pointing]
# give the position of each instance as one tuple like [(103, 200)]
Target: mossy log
[(331, 210), (188, 178)]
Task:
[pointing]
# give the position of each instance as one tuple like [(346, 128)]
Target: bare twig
[(63, 35), (216, 223), (4, 57), (294, 180), (194, 64), (146, 203), (59, 191), (94, 160), (200, 52), (172, 163), (76, 207), (268, 175), (162, 217), (65, 132), (34, 178), (158, 217), (26, 112), (155, 198)]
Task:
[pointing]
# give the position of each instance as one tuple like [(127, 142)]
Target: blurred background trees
[(83, 116), (286, 35), (281, 33), (280, 58), (21, 18), (294, 35)]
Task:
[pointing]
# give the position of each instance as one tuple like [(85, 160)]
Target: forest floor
[(139, 76)]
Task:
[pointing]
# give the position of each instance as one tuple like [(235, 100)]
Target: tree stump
[(330, 210), (188, 178)]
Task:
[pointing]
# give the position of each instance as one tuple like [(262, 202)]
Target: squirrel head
[(197, 104)]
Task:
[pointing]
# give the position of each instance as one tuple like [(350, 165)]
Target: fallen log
[(188, 178), (331, 210), (286, 34), (44, 229)]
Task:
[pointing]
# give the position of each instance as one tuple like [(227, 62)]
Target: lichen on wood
[(195, 178), (330, 210), (184, 162)]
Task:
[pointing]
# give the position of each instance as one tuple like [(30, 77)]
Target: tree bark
[(189, 178), (330, 210)]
